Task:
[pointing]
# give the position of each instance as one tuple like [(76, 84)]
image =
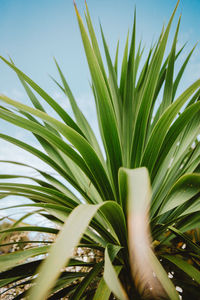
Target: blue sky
[(34, 31)]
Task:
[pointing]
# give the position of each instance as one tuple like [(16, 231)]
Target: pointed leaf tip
[(76, 9), (177, 4), (75, 6)]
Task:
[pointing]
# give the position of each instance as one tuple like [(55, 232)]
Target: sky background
[(34, 31)]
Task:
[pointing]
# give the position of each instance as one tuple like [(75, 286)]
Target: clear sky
[(34, 31)]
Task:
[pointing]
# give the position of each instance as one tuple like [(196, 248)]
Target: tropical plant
[(132, 202)]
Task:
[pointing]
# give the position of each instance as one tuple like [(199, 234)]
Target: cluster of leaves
[(12, 242), (8, 239), (132, 223)]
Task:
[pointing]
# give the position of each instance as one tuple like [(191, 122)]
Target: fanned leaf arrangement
[(135, 205)]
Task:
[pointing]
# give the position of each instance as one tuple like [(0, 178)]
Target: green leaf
[(168, 89), (80, 118), (162, 126), (184, 266), (86, 281), (7, 281), (94, 41), (79, 142), (143, 261), (180, 136), (102, 291), (114, 215), (57, 211), (51, 195), (44, 158), (31, 228), (180, 73), (25, 269), (107, 117), (116, 98), (124, 69), (116, 59), (60, 111), (183, 190), (10, 260), (147, 98), (195, 247), (129, 104), (111, 276), (62, 250), (69, 237), (52, 180)]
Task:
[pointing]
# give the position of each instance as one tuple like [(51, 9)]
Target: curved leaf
[(183, 190), (61, 251), (111, 277), (183, 265), (10, 260), (149, 276)]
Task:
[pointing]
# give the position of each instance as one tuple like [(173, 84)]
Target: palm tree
[(132, 203)]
